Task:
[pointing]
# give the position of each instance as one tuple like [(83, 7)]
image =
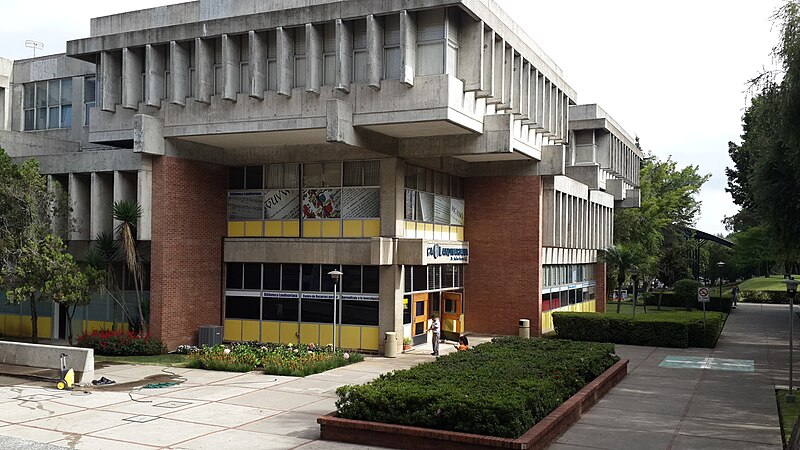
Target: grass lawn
[(169, 359), (773, 283), (789, 412)]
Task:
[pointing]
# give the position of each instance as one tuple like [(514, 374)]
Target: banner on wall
[(244, 205), (457, 212), (445, 253), (281, 204), (441, 210), (322, 203), (425, 207), (361, 203)]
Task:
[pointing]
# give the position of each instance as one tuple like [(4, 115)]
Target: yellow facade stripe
[(547, 316), (312, 229), (309, 333), (254, 229), (350, 336), (235, 229), (250, 330), (411, 230), (291, 228), (372, 228), (331, 229), (270, 331), (289, 332), (369, 338), (353, 228), (273, 228), (325, 334), (233, 330)]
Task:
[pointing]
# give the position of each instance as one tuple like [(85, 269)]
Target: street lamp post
[(337, 276), (634, 271), (791, 289), (720, 265)]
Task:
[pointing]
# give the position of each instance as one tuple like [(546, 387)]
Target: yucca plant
[(127, 213)]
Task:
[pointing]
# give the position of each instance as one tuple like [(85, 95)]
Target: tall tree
[(128, 214), (620, 259)]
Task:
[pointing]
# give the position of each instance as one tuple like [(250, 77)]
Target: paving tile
[(327, 445), (21, 411), (272, 399), (311, 386), (319, 408), (696, 442), (81, 422), (33, 433), (80, 442), (147, 405), (645, 403), (293, 424), (211, 393), (159, 432), (611, 418), (237, 439), (604, 437), (221, 414), (732, 428)]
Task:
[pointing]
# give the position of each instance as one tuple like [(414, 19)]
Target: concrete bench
[(49, 357)]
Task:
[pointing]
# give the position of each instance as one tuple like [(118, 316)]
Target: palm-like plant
[(127, 213), (101, 257), (620, 258)]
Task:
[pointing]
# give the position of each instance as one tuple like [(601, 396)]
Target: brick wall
[(503, 278), (189, 222), (600, 287)]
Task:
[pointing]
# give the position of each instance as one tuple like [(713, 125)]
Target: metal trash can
[(524, 328), (390, 345)]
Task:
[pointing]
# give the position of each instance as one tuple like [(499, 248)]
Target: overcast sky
[(673, 73)]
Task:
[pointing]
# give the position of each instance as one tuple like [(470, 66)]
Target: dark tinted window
[(242, 307), (233, 277), (311, 277), (291, 277), (320, 311), (255, 177), (280, 309), (351, 279), (327, 281), (359, 312), (420, 280), (235, 177), (252, 276), (371, 279), (272, 277)]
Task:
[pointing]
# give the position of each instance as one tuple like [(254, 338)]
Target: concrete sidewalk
[(658, 407)]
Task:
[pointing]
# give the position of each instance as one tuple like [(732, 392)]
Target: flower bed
[(501, 388), (121, 343), (273, 359)]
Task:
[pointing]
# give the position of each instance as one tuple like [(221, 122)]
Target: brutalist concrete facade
[(429, 148)]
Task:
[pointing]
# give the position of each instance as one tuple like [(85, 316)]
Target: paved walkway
[(654, 407), (696, 408)]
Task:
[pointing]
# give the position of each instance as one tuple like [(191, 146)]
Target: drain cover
[(141, 419), (172, 404)]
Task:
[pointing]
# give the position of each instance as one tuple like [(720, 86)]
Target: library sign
[(440, 253)]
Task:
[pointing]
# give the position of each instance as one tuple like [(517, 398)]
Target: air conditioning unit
[(210, 335)]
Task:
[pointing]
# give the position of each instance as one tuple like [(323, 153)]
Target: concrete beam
[(258, 64), (231, 76), (340, 129), (154, 74), (524, 91), (392, 195), (148, 135), (180, 78), (496, 139), (374, 52), (408, 47), (144, 196), (487, 69), (131, 78), (616, 187), (470, 70), (390, 305), (633, 199), (313, 58), (507, 102), (80, 201), (553, 160), (344, 55), (204, 57), (588, 175), (285, 40), (109, 79)]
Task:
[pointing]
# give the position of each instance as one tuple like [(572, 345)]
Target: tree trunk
[(70, 315), (34, 322), (143, 322), (660, 295)]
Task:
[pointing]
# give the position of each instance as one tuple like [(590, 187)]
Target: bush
[(756, 296), (120, 343), (666, 329), (501, 388), (686, 291), (670, 299)]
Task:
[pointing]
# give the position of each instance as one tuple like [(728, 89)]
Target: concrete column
[(539, 100), (487, 68), (285, 40), (102, 199), (557, 115), (392, 197), (179, 73), (80, 200), (498, 79), (204, 58), (546, 96), (374, 52), (565, 116), (110, 80), (524, 90), (131, 78), (144, 195), (258, 64), (154, 75), (313, 58), (470, 64), (344, 55), (124, 189), (59, 223), (508, 79), (390, 307), (231, 77), (408, 47)]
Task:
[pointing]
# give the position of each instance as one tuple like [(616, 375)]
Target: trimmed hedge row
[(670, 299), (501, 388), (665, 329), (756, 296)]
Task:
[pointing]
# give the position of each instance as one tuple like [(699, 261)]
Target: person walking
[(735, 296), (435, 328)]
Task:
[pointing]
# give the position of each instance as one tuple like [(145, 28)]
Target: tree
[(128, 214), (620, 259)]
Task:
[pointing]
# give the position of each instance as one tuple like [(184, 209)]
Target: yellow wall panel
[(428, 231), (325, 334), (289, 332), (350, 336), (312, 229), (438, 232), (369, 338), (309, 333), (12, 325), (372, 228), (331, 229), (273, 228), (25, 326), (254, 229), (459, 233), (235, 229), (270, 331), (291, 228), (352, 228), (547, 322), (250, 330), (44, 327), (233, 330), (92, 325), (3, 325), (411, 230)]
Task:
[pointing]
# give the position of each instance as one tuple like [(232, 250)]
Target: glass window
[(272, 277), (371, 280), (252, 276), (242, 308), (327, 280), (311, 277), (236, 177), (233, 277), (290, 275), (329, 54), (351, 279), (280, 309), (406, 310), (360, 312), (315, 310), (420, 280), (254, 178)]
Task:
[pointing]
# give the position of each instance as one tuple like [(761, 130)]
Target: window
[(285, 309), (233, 277), (219, 78), (430, 41), (48, 104), (299, 57), (272, 61), (360, 51), (329, 54), (391, 47), (244, 63), (433, 197), (242, 307)]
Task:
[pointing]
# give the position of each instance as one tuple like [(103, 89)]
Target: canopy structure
[(702, 237)]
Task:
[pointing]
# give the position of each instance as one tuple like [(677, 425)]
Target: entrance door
[(419, 324), (452, 315)]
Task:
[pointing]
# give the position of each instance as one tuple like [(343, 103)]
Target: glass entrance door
[(419, 325), (452, 315)]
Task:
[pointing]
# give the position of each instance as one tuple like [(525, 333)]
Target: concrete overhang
[(593, 117), (258, 139), (372, 251)]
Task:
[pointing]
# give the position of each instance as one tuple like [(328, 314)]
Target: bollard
[(524, 328), (390, 345)]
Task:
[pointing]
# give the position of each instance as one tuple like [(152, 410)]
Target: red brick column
[(189, 222), (600, 287), (503, 279)]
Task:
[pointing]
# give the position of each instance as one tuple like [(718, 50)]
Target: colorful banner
[(280, 204), (244, 205), (361, 203), (322, 203)]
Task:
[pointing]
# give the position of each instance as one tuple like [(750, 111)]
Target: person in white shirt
[(435, 328)]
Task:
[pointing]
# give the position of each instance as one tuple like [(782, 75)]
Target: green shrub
[(121, 343), (686, 291), (670, 299), (756, 296), (665, 329), (501, 388)]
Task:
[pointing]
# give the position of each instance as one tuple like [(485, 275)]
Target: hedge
[(121, 343), (672, 300), (501, 388), (757, 296), (665, 329)]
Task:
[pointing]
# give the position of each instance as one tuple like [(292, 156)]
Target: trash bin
[(390, 345), (524, 328)]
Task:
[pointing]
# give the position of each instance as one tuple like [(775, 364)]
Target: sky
[(672, 73)]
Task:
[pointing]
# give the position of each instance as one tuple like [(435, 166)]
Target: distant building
[(434, 155)]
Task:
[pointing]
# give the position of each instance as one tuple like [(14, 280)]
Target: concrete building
[(428, 150)]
